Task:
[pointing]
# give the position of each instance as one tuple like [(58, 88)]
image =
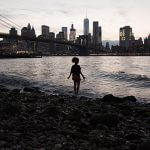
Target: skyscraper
[(147, 43), (45, 30), (100, 35), (95, 33), (86, 26), (65, 30), (13, 31), (126, 37), (72, 35), (28, 31)]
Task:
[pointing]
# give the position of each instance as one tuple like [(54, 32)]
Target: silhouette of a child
[(75, 72)]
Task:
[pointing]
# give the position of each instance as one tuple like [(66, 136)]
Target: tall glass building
[(86, 26), (126, 37), (65, 30), (95, 33)]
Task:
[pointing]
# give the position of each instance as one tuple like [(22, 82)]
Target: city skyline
[(111, 15)]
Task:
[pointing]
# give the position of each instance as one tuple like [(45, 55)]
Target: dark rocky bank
[(33, 120)]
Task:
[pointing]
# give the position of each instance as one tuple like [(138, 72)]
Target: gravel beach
[(33, 120)]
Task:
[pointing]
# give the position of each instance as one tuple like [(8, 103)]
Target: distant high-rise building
[(126, 37), (60, 36), (72, 36), (33, 32), (65, 30), (100, 35), (86, 26), (29, 26), (107, 47), (28, 31), (147, 43), (52, 35), (45, 30), (95, 33), (13, 32)]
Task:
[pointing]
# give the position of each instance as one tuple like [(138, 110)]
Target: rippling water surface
[(121, 76)]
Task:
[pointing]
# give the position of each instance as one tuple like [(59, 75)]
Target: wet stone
[(75, 115), (30, 120), (110, 120), (27, 89), (3, 89), (12, 109), (3, 143), (51, 110), (111, 98), (130, 99), (16, 90), (144, 146), (132, 136)]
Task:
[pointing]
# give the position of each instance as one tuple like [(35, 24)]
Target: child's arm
[(69, 75), (82, 75)]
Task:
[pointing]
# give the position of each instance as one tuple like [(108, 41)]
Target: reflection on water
[(120, 76)]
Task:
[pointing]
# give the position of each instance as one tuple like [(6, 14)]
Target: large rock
[(16, 91), (12, 109), (111, 98), (143, 111), (28, 89), (110, 120), (144, 146), (75, 115), (51, 110), (3, 89), (132, 136), (130, 99)]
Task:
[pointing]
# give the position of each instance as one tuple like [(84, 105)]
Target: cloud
[(64, 12), (123, 12)]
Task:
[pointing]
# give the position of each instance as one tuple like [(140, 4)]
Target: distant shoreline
[(32, 56)]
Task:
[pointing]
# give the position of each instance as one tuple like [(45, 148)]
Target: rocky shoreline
[(33, 120)]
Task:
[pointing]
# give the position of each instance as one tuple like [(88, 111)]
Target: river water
[(120, 76)]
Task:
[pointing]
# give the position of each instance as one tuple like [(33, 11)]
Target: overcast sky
[(111, 14)]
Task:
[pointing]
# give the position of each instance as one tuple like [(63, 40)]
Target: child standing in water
[(75, 72)]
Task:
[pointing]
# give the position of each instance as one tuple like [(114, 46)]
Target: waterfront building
[(33, 32), (65, 31), (95, 33), (100, 35), (60, 36), (107, 47), (28, 31), (45, 30), (147, 43), (24, 32), (13, 31), (126, 37), (72, 36), (86, 26), (138, 42), (51, 35), (60, 48)]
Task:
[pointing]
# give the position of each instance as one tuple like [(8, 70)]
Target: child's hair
[(75, 60)]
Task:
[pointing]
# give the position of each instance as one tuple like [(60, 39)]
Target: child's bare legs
[(78, 86), (75, 87)]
